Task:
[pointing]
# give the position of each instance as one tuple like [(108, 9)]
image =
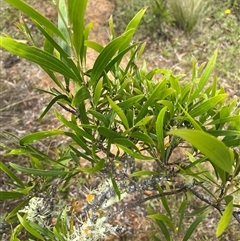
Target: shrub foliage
[(143, 115)]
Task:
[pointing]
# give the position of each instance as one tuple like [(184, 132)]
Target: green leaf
[(210, 146), (97, 92), (99, 117), (38, 172), (98, 167), (194, 123), (81, 95), (142, 137), (52, 102), (205, 106), (194, 226), (164, 201), (116, 189), (169, 105), (38, 56), (16, 209), (143, 121), (11, 175), (38, 136), (32, 13), (30, 229), (163, 218), (205, 75), (10, 195), (159, 132), (108, 133), (134, 154), (79, 132), (133, 25), (65, 54), (129, 102), (76, 11), (63, 26), (225, 219), (119, 112), (93, 45), (158, 94), (225, 120), (125, 142), (106, 55)]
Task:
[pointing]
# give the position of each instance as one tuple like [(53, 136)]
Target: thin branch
[(138, 203), (219, 208)]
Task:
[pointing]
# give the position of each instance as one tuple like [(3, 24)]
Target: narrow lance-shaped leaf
[(210, 146), (81, 95), (76, 11), (207, 105), (52, 102), (11, 175), (38, 56), (97, 92), (38, 172), (63, 26), (205, 75), (30, 229), (10, 195), (32, 13), (194, 225), (133, 24), (38, 136), (159, 132), (106, 55), (119, 112), (225, 219)]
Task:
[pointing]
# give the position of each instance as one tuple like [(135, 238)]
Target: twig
[(138, 203)]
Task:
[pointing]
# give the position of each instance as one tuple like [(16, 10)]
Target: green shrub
[(144, 115), (187, 13)]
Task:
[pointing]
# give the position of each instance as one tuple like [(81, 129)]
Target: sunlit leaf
[(210, 146), (225, 219), (30, 229), (38, 56), (119, 112)]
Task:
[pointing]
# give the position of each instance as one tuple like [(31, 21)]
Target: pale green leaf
[(225, 219), (119, 112), (210, 146)]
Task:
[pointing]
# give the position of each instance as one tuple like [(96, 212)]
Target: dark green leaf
[(10, 195), (38, 172), (11, 175), (38, 136)]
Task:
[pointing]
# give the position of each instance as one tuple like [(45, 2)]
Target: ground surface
[(21, 105)]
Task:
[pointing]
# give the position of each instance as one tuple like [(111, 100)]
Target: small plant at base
[(187, 13)]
